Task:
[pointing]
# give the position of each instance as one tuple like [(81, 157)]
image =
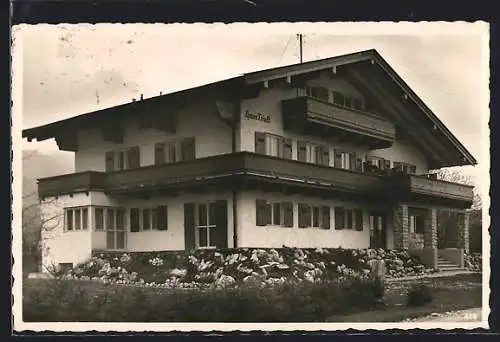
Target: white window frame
[(345, 160), (273, 146), (209, 226), (73, 218), (115, 229), (282, 214)]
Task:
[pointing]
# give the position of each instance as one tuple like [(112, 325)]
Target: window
[(314, 216), (320, 93), (205, 225), (276, 214), (99, 219), (175, 151), (416, 224), (345, 160), (273, 145), (348, 160), (122, 159), (147, 219), (347, 218), (76, 218), (313, 153), (406, 168), (338, 98)]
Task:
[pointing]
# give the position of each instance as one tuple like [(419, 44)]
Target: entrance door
[(377, 230), (115, 228)]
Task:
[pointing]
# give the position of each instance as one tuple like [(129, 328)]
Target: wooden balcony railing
[(300, 110)]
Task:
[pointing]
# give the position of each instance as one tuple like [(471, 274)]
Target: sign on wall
[(257, 116)]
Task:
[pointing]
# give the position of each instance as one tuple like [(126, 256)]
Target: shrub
[(64, 300), (419, 295)]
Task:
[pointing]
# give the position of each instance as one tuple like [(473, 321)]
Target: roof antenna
[(300, 36)]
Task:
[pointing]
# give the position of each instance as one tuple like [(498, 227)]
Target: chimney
[(141, 97), (133, 100)]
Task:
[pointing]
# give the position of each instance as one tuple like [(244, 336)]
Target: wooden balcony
[(238, 166), (432, 190), (303, 111), (71, 183)]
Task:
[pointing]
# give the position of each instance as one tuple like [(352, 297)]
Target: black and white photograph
[(250, 176)]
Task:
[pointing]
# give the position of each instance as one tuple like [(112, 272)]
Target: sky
[(66, 70)]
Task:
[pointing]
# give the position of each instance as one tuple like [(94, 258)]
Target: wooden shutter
[(318, 151), (134, 220), (304, 215), (301, 151), (221, 224), (110, 161), (260, 143), (387, 164), (352, 161), (326, 155), (189, 229), (281, 145), (322, 93), (269, 213), (398, 166), (339, 218), (288, 214), (358, 213), (260, 212), (162, 217), (359, 163), (325, 213), (287, 149), (188, 147), (159, 153), (134, 158), (338, 159), (413, 169)]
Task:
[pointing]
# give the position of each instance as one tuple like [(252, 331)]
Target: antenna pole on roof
[(300, 46)]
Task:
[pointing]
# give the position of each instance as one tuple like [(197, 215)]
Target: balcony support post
[(401, 226), (430, 229)]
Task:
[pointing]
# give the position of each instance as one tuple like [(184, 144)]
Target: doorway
[(378, 233)]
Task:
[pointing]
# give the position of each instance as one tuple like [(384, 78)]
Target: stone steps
[(446, 265)]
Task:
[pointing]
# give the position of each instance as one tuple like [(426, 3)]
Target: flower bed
[(232, 267)]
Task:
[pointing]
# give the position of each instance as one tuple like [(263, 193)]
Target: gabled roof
[(459, 155)]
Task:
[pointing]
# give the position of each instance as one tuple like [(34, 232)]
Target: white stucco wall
[(251, 235), (402, 151), (213, 137), (59, 246)]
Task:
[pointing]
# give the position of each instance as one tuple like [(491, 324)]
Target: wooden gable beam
[(380, 98), (413, 123)]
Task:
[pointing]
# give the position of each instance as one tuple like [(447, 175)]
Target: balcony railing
[(229, 165), (298, 110), (424, 186), (255, 166)]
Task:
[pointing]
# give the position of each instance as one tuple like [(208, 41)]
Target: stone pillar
[(463, 231), (401, 228), (430, 229)]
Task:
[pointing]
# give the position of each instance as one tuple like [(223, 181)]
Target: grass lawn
[(450, 294)]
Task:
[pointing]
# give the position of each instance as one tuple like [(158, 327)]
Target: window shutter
[(134, 220), (260, 212), (159, 153), (387, 164), (281, 145), (339, 218), (260, 143), (134, 158), (304, 216), (318, 150), (359, 219), (189, 233), (398, 166), (322, 93), (269, 213), (162, 217), (338, 159), (359, 163), (352, 161), (413, 169), (221, 224), (288, 214), (301, 151), (325, 212), (188, 149), (110, 161), (326, 155), (287, 149)]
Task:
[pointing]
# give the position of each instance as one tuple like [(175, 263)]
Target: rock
[(225, 281)]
